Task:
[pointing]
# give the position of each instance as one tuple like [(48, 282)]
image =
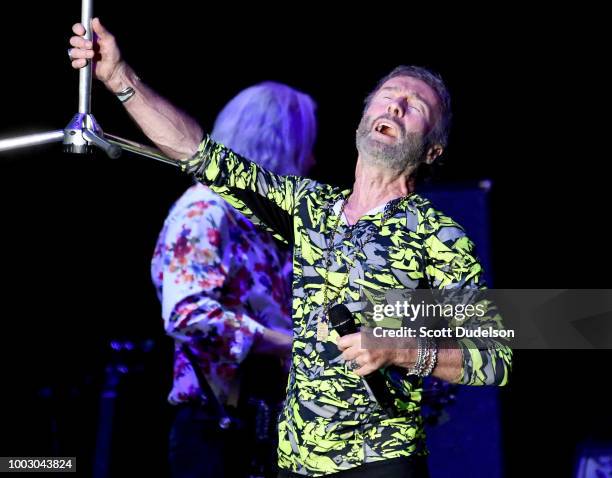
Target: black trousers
[(199, 448), (409, 467)]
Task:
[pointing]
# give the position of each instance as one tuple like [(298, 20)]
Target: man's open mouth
[(386, 128)]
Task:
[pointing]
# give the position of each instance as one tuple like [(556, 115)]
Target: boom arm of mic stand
[(141, 149), (110, 149)]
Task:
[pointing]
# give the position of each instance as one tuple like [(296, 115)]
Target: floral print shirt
[(219, 280)]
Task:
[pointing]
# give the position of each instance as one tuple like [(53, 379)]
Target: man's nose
[(395, 108)]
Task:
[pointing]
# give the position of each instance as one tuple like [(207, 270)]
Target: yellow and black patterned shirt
[(330, 422)]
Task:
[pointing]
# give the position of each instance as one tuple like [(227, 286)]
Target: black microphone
[(343, 321)]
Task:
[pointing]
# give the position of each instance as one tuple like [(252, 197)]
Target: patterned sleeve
[(190, 272), (267, 199), (452, 264)]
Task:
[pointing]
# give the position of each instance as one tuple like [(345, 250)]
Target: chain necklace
[(390, 210)]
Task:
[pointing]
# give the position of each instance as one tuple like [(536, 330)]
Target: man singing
[(378, 236)]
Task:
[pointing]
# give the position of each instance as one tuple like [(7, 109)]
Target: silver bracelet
[(433, 354), (125, 94), (421, 359), (427, 358)]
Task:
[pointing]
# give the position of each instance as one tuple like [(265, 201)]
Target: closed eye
[(416, 108)]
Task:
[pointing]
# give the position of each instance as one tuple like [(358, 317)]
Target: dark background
[(78, 232)]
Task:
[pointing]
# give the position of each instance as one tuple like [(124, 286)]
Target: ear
[(433, 153)]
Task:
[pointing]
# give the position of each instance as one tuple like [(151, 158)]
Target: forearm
[(173, 131), (241, 334), (449, 364), (229, 334), (465, 363), (272, 342)]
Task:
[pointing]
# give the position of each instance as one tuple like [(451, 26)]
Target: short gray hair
[(439, 133), (271, 124)]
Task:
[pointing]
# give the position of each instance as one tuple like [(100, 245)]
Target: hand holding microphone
[(369, 362)]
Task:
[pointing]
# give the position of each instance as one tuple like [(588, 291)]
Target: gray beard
[(407, 152)]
